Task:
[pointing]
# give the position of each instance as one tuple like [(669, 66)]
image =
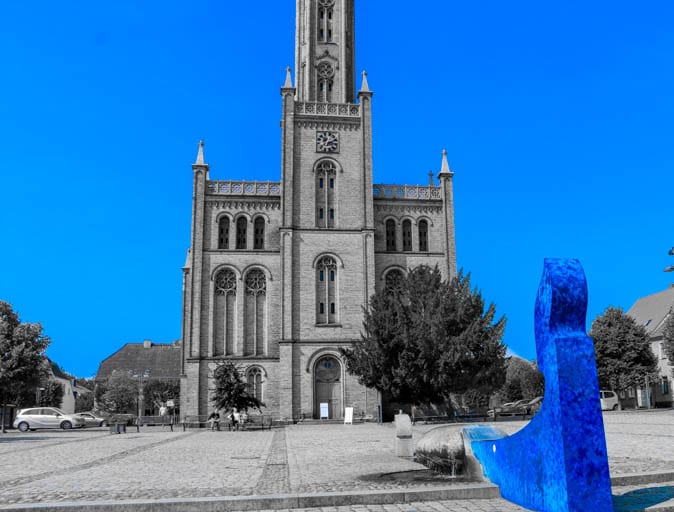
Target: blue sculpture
[(558, 462)]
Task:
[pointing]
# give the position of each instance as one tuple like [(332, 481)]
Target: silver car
[(92, 420), (46, 417)]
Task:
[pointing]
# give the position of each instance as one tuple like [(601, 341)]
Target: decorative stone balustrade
[(328, 109), (245, 188), (406, 192)]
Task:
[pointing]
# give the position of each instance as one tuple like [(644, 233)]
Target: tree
[(523, 380), (84, 402), (231, 391), (668, 336), (426, 338), (157, 391), (51, 394), (623, 352), (22, 356), (121, 393)]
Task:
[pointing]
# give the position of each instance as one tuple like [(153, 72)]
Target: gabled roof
[(153, 360), (652, 311)]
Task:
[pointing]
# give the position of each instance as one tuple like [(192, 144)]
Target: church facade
[(278, 272)]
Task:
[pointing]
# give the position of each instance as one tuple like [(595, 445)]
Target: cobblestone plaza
[(338, 461)]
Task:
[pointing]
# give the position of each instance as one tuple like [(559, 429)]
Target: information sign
[(324, 411), (348, 415)]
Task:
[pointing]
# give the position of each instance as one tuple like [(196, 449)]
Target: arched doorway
[(328, 388)]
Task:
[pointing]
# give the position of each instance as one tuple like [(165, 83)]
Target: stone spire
[(289, 80), (200, 154), (365, 87), (445, 170)]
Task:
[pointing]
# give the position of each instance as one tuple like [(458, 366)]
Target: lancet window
[(254, 380), (407, 235), (241, 233), (326, 175), (258, 226), (325, 20), (225, 313), (390, 235), (394, 281), (423, 236), (223, 233), (326, 291), (255, 312)]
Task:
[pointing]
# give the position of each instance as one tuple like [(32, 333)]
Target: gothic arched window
[(407, 235), (255, 312), (241, 233), (254, 380), (394, 281), (326, 174), (258, 242), (224, 313), (325, 17), (326, 291), (390, 235), (223, 233), (423, 236)]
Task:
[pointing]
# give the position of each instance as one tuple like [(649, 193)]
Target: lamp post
[(141, 375), (670, 268)]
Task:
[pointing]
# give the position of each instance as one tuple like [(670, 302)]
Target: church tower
[(278, 272), (327, 239)]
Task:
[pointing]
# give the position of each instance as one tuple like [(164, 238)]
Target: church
[(278, 273)]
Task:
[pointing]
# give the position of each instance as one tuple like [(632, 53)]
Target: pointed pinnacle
[(365, 87), (200, 154), (289, 80), (445, 165)]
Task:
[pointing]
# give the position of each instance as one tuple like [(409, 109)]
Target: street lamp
[(671, 267), (141, 376)]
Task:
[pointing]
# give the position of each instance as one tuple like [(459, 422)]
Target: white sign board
[(324, 410), (170, 403), (348, 415)]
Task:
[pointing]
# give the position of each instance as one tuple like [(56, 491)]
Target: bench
[(260, 421), (143, 421), (194, 421)]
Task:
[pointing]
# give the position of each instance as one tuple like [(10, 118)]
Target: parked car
[(46, 417), (514, 408), (533, 405), (91, 419), (609, 401)]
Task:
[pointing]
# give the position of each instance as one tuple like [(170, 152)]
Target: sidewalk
[(335, 466)]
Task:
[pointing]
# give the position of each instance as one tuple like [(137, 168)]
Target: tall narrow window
[(326, 291), (241, 232), (255, 382), (390, 235), (394, 281), (224, 313), (259, 233), (255, 311), (407, 235), (325, 15), (223, 233), (423, 236), (326, 216)]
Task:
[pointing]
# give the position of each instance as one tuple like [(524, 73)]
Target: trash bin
[(118, 428)]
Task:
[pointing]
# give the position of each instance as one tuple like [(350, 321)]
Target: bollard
[(404, 439)]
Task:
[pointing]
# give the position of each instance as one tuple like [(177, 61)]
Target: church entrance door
[(328, 388)]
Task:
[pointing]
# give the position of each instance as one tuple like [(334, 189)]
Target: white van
[(609, 401)]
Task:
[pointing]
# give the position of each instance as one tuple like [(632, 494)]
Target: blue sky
[(557, 119)]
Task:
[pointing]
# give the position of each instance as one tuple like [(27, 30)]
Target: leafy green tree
[(623, 352), (121, 393), (426, 338), (84, 402), (22, 357), (158, 391), (51, 394), (668, 335), (231, 391), (523, 380)]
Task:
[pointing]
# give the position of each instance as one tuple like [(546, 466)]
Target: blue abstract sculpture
[(558, 462)]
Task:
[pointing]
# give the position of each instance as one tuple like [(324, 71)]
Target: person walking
[(236, 418), (214, 418)]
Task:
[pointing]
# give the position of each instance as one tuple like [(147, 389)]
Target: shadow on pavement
[(642, 498)]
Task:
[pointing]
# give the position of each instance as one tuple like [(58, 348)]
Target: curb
[(281, 501), (642, 478)]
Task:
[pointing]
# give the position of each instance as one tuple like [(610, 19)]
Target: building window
[(326, 291), (423, 236), (665, 386), (259, 233), (223, 233), (255, 312), (407, 235), (224, 313), (255, 382), (325, 196), (394, 281), (325, 18), (241, 233), (390, 235), (630, 392)]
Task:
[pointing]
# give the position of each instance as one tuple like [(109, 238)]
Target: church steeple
[(324, 51)]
